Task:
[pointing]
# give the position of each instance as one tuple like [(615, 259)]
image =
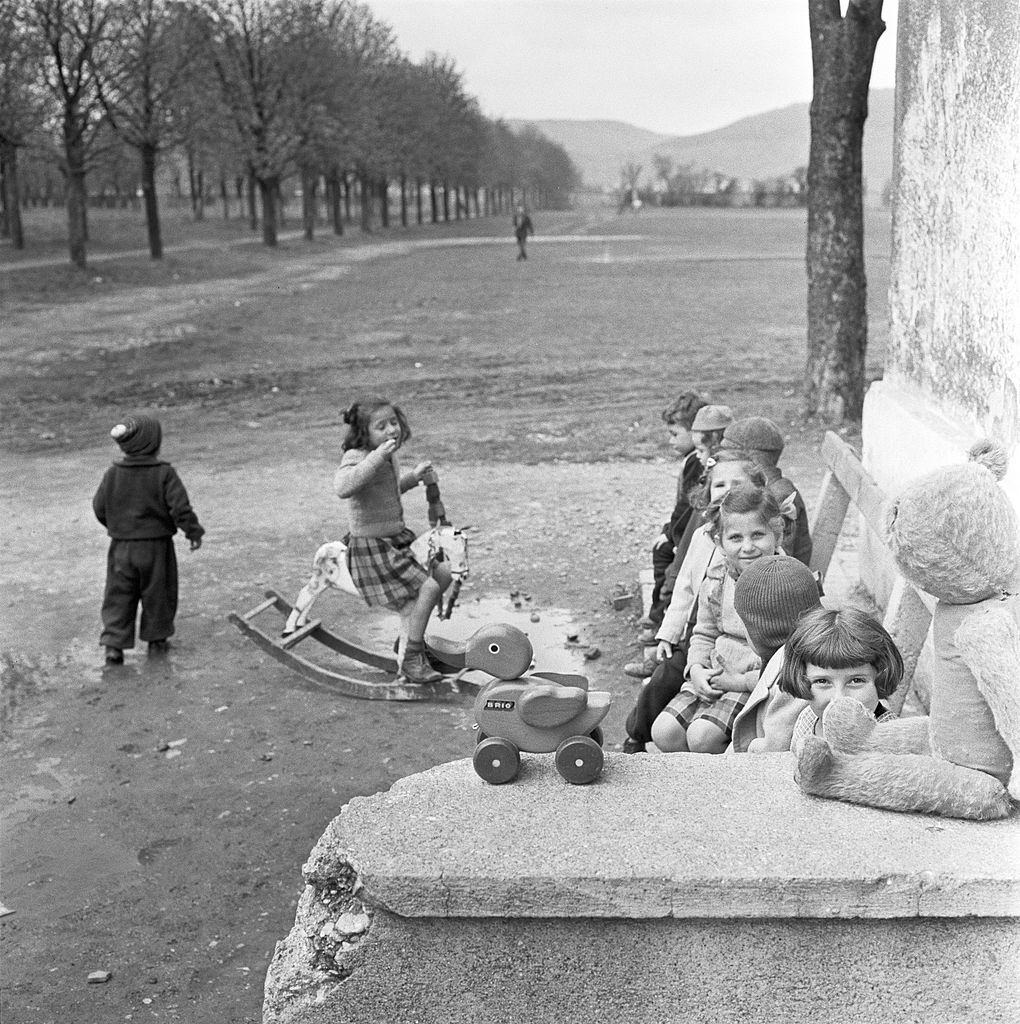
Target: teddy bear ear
[(990, 454)]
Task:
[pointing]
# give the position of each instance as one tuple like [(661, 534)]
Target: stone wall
[(953, 362), (684, 888)]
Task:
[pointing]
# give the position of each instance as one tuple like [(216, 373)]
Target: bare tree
[(247, 44), (155, 53), (842, 52), (22, 109), (75, 35), (629, 174)]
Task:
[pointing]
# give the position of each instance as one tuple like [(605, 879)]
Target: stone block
[(680, 887)]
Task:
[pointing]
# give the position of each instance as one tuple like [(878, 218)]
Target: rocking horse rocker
[(442, 542)]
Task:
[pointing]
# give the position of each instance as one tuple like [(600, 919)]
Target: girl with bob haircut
[(839, 653)]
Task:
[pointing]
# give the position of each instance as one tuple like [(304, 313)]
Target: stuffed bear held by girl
[(954, 534)]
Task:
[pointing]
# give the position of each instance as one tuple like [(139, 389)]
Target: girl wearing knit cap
[(722, 667), (142, 503), (378, 546)]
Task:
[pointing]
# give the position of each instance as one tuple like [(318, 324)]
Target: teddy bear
[(954, 534)]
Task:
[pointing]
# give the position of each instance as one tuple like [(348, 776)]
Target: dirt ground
[(157, 814)]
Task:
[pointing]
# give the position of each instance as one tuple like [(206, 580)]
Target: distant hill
[(761, 146)]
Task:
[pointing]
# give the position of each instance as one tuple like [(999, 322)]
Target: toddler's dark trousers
[(145, 572), (661, 687)]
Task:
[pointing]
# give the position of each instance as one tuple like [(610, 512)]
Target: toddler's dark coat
[(142, 503)]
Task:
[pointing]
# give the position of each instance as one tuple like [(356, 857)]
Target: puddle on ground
[(554, 652)]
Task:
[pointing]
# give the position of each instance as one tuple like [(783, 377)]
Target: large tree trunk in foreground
[(842, 51)]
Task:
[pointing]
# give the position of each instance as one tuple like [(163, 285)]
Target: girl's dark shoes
[(114, 656), (158, 648), (417, 669)]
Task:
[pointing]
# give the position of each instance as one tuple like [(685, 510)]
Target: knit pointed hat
[(138, 435), (770, 596)]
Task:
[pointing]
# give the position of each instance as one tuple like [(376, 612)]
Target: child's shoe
[(158, 648), (640, 669), (114, 656), (417, 670), (633, 746)]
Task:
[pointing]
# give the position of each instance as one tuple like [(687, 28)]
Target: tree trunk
[(433, 204), (309, 187), (446, 201), (417, 200), (384, 202), (269, 189), (148, 153), (12, 207), (842, 51), (335, 209), (77, 197), (253, 211), (403, 200), (365, 192), (225, 197)]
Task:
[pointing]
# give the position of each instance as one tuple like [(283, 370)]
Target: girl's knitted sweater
[(372, 485)]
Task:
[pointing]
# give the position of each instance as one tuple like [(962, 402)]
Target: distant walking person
[(142, 503), (522, 228)]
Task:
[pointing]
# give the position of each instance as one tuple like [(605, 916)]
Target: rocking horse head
[(448, 544)]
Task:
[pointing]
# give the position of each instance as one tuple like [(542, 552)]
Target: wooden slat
[(260, 608), (855, 480), (907, 620), (293, 639), (833, 502)]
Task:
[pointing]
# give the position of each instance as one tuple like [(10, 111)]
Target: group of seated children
[(746, 657)]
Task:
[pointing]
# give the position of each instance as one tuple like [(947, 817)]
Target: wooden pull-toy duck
[(537, 713)]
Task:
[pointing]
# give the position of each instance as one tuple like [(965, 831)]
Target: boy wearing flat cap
[(142, 503)]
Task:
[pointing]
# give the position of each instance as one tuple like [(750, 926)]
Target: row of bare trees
[(250, 90)]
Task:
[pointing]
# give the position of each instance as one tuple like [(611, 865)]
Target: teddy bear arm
[(899, 782)]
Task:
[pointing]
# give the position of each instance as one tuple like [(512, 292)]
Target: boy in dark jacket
[(142, 503)]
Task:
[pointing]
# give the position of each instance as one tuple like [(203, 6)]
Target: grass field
[(569, 355)]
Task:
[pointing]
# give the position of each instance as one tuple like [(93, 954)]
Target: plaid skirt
[(685, 707), (384, 570)]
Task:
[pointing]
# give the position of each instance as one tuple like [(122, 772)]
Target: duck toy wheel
[(497, 760), (579, 760), (540, 713)]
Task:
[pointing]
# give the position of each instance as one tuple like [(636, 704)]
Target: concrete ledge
[(447, 899)]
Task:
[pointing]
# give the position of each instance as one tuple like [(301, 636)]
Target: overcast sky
[(673, 66)]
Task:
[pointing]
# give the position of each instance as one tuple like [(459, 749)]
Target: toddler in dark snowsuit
[(142, 503)]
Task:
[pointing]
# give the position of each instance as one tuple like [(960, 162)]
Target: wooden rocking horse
[(442, 542)]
